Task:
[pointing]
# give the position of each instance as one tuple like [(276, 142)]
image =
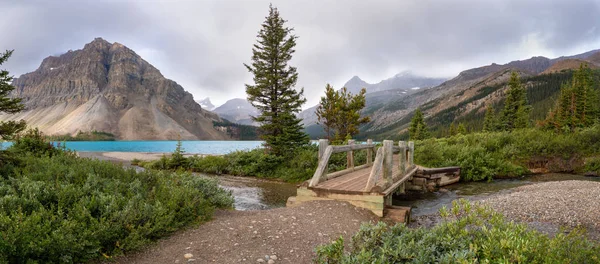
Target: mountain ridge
[(108, 87)]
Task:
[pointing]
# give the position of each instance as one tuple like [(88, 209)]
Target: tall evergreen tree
[(516, 111), (9, 105), (489, 121), (577, 104), (273, 92), (418, 129)]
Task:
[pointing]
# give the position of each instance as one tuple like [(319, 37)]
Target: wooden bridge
[(371, 185)]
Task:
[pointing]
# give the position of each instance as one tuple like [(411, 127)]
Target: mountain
[(568, 64), (206, 104), (378, 94), (463, 98), (403, 80), (108, 87), (237, 110)]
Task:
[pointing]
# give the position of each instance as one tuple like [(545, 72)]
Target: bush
[(209, 164), (592, 166), (468, 234), (33, 142), (297, 166), (483, 156), (61, 208)]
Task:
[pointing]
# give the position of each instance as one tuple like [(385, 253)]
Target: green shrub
[(62, 208), (32, 142), (592, 165), (209, 164), (296, 166), (483, 156), (468, 234)]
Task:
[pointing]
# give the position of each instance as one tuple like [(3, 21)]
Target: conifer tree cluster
[(417, 129), (273, 92), (339, 113), (9, 105), (577, 105), (515, 113)]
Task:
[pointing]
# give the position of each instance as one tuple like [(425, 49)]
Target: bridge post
[(402, 157), (388, 162), (411, 153), (369, 152), (323, 144), (350, 155)]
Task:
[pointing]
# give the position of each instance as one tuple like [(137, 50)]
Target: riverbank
[(127, 156), (547, 207), (289, 234)]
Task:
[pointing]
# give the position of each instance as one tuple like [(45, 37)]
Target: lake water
[(192, 147)]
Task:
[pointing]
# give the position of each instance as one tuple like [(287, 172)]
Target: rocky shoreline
[(549, 207)]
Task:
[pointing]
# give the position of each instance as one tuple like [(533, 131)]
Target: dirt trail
[(289, 234)]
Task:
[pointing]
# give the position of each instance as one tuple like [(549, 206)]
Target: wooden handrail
[(375, 170), (321, 168), (325, 152), (346, 148)]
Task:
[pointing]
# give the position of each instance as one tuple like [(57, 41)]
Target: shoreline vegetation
[(84, 136), (481, 156), (56, 207)]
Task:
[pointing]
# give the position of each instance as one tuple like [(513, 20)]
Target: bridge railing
[(384, 164), (325, 152)]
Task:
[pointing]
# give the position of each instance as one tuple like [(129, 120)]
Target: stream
[(259, 194)]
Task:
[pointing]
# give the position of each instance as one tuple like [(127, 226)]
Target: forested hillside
[(542, 91)]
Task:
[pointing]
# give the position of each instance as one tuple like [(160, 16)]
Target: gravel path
[(566, 203), (288, 234)]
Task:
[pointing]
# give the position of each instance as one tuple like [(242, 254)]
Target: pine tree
[(327, 111), (273, 92), (462, 130), (516, 111), (418, 129), (489, 121), (452, 130), (349, 107), (9, 105), (339, 112), (577, 104)]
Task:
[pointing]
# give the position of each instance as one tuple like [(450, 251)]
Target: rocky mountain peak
[(108, 87), (206, 104)]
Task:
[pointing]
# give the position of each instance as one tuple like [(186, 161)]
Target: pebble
[(271, 261), (569, 203), (260, 260), (188, 256), (273, 257)]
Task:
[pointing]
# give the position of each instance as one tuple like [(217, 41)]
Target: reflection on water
[(256, 194), (430, 203)]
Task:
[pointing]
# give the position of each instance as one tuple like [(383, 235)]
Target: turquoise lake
[(192, 147)]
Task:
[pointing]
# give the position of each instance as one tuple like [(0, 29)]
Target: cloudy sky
[(203, 44)]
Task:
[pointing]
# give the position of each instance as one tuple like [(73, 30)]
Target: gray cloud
[(203, 44)]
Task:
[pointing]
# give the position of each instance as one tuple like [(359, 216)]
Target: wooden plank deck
[(353, 182)]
